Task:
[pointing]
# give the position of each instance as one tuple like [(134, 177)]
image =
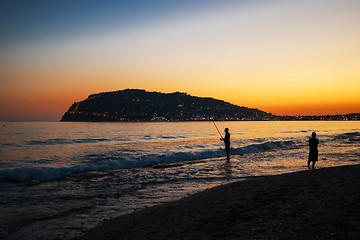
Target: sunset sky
[(286, 57)]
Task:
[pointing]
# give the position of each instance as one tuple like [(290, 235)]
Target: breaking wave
[(60, 141), (348, 135), (46, 174)]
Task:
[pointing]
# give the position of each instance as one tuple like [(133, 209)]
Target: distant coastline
[(337, 117), (340, 117)]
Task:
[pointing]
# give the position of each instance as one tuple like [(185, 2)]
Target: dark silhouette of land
[(140, 105)]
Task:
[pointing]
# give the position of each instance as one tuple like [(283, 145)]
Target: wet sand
[(314, 204)]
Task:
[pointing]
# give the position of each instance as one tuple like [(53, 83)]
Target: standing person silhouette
[(313, 153), (227, 143)]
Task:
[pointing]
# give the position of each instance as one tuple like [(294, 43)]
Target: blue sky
[(40, 20), (286, 57)]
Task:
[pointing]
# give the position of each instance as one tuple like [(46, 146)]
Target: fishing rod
[(218, 130)]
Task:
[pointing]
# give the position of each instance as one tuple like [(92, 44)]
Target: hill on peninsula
[(140, 105)]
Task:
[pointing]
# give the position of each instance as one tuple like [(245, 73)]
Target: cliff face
[(139, 105)]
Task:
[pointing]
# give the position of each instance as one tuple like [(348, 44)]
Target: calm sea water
[(59, 179)]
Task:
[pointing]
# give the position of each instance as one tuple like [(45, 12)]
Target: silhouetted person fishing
[(313, 153), (226, 140), (227, 143)]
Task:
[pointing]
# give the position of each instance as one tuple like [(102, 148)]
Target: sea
[(58, 179)]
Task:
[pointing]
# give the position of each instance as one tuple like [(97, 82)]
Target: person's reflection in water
[(228, 169)]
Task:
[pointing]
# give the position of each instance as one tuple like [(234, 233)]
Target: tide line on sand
[(315, 204)]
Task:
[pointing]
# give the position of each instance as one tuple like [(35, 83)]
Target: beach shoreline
[(315, 204)]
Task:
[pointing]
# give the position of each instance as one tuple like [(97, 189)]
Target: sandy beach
[(314, 204)]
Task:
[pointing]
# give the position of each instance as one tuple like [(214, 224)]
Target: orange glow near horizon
[(43, 99), (280, 57)]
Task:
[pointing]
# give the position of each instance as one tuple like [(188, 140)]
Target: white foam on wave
[(46, 174)]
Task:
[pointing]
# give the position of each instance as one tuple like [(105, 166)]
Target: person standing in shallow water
[(313, 153), (227, 143)]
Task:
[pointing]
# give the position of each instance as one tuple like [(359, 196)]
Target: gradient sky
[(286, 57)]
